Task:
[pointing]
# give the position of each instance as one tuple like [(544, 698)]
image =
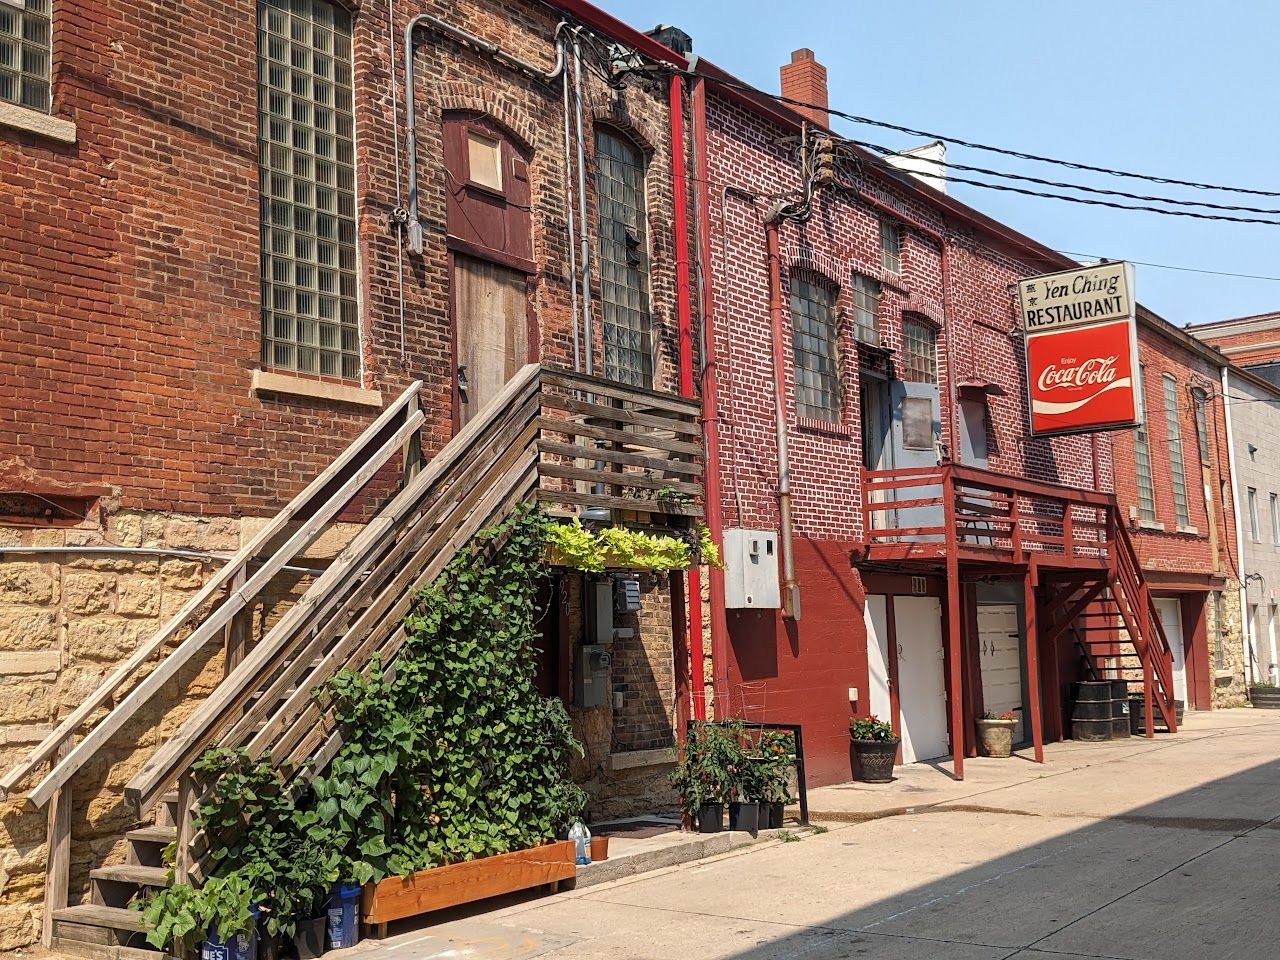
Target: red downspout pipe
[(684, 338), (710, 404)]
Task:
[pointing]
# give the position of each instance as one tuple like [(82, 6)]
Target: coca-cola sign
[(1081, 373)]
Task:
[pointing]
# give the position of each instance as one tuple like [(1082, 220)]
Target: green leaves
[(572, 545)]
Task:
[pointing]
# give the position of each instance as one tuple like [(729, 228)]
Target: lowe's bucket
[(240, 946), (343, 913)]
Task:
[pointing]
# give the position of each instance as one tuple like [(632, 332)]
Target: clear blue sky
[(1175, 88)]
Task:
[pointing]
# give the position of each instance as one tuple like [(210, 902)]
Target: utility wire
[(854, 118), (947, 164), (1166, 266)]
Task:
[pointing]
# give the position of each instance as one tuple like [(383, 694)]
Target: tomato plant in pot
[(746, 786), (707, 771), (775, 758), (875, 746), (995, 733)]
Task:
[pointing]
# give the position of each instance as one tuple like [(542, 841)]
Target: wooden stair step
[(93, 915), (133, 873), (154, 834)]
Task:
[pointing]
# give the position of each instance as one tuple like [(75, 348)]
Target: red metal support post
[(955, 685), (1033, 661)]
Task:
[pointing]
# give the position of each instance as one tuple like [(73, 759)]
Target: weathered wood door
[(491, 324)]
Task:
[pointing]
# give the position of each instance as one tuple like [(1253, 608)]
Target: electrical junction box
[(751, 570), (599, 624), (591, 676)]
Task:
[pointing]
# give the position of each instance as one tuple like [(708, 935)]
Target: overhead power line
[(973, 145), (1167, 266)]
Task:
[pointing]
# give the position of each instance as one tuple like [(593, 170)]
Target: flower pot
[(744, 816), (874, 760), (711, 818), (772, 815), (996, 737), (1265, 698), (599, 849), (343, 914), (239, 946), (308, 938), (1138, 716)]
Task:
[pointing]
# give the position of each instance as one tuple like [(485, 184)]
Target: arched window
[(1200, 402), (815, 358), (624, 258), (1177, 471), (919, 351)]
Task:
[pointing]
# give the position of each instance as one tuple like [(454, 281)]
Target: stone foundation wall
[(67, 619), (1229, 688)]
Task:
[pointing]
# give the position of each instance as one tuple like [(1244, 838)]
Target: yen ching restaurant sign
[(1082, 350)]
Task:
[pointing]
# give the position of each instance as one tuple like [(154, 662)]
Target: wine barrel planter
[(1265, 698), (1120, 729), (439, 887), (874, 760), (1091, 715)]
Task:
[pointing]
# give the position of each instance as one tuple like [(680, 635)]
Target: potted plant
[(221, 912), (995, 733), (1264, 694), (704, 774), (746, 785), (776, 753), (875, 746)]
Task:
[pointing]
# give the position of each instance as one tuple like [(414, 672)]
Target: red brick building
[(883, 311), (1173, 481), (226, 251)]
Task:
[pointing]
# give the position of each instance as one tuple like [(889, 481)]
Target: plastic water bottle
[(581, 838)]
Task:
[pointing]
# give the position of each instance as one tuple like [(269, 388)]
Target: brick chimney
[(805, 79)]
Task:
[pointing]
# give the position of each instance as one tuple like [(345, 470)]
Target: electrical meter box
[(599, 611), (591, 676), (751, 569)]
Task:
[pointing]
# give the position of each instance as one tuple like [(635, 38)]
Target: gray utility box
[(591, 676), (751, 569)]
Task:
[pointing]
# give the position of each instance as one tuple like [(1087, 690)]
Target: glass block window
[(1177, 470), (866, 309), (1200, 400), (1142, 465), (1219, 633), (890, 246), (813, 332), (919, 351), (306, 162), (624, 265), (25, 45)]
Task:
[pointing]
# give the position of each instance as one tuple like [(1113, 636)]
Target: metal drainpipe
[(568, 206), (790, 589), (587, 335), (710, 407), (1246, 632), (411, 130), (90, 551)]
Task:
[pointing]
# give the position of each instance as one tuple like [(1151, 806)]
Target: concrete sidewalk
[(1137, 850)]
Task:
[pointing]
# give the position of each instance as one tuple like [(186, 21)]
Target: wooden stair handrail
[(200, 729), (62, 769)]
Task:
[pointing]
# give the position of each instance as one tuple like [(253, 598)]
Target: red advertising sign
[(1082, 368)]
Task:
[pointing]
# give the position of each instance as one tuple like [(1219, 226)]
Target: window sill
[(823, 426), (45, 125), (634, 759), (1220, 675), (266, 381), (1151, 526), (1189, 531)]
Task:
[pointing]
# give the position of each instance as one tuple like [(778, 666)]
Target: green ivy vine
[(449, 756)]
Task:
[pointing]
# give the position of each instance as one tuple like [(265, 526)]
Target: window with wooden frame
[(1142, 466), (621, 224), (306, 162), (815, 355), (1255, 527), (919, 351), (484, 160), (26, 44), (890, 246), (1177, 469), (1275, 519), (866, 309)]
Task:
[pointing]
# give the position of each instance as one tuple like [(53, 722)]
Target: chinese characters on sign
[(1081, 343)]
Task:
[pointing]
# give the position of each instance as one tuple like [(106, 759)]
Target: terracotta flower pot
[(996, 737), (599, 849)]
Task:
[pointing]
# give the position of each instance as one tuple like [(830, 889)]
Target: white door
[(875, 615), (999, 642), (921, 678), (1170, 610)]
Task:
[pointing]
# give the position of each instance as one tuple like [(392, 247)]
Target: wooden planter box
[(439, 887)]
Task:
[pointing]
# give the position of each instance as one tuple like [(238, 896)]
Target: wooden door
[(999, 641), (491, 324), (921, 678)]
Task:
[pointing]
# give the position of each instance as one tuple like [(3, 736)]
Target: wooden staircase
[(558, 438)]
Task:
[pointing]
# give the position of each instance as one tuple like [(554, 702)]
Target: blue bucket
[(343, 912), (240, 946)]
